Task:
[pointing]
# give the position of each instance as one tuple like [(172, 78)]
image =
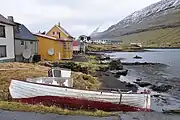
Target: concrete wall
[(8, 41), (27, 45)]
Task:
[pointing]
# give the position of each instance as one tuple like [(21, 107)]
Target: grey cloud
[(86, 15)]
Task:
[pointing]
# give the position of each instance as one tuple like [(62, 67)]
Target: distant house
[(76, 46), (136, 45), (61, 34), (106, 41), (6, 39), (24, 41), (84, 38)]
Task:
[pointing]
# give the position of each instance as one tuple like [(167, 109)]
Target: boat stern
[(148, 103)]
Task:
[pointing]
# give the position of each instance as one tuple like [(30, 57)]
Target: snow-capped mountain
[(161, 13)]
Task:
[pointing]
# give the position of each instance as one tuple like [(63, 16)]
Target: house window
[(64, 45), (59, 35), (2, 31), (22, 42), (31, 42), (3, 51), (69, 45), (53, 33)]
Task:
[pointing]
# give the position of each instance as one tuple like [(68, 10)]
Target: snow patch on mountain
[(142, 16)]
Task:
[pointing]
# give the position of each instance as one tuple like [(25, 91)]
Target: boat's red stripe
[(68, 102)]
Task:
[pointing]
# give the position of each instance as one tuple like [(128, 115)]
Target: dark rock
[(84, 70), (161, 88), (103, 57), (135, 118), (143, 84), (117, 76), (156, 95), (115, 65), (104, 69), (122, 72), (129, 85), (137, 57), (139, 79)]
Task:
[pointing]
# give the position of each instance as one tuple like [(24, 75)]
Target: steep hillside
[(149, 25), (169, 37)]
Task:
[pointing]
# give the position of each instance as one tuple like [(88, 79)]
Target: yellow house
[(55, 45), (61, 34)]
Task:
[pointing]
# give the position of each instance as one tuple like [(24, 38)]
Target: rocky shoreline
[(146, 76), (108, 80), (139, 77), (111, 80)]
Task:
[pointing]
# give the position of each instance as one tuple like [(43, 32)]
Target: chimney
[(59, 24), (11, 18)]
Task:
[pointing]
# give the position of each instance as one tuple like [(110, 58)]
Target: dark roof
[(5, 21), (23, 33)]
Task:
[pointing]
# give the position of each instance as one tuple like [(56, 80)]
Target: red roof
[(75, 43)]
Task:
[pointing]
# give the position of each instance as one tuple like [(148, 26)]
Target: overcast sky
[(76, 16)]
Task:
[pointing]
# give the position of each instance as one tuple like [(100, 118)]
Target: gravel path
[(149, 116), (8, 115)]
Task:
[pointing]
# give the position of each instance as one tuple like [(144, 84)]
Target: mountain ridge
[(160, 15)]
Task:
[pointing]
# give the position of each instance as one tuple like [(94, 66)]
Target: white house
[(106, 41), (86, 39), (136, 45), (6, 40), (24, 40)]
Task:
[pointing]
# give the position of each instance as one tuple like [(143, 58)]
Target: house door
[(3, 51), (59, 56)]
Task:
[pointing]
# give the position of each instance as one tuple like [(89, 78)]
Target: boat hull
[(32, 93), (74, 103)]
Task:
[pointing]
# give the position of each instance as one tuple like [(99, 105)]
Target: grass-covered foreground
[(21, 71), (13, 106)]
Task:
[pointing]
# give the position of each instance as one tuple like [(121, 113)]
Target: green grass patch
[(114, 47), (86, 82), (169, 37), (14, 106), (104, 47), (6, 75)]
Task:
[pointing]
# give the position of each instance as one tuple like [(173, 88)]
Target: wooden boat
[(66, 97)]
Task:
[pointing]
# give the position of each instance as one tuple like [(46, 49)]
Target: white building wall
[(76, 48), (8, 41)]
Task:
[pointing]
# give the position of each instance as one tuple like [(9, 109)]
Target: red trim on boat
[(74, 103)]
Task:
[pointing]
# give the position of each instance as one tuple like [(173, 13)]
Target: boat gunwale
[(75, 88)]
